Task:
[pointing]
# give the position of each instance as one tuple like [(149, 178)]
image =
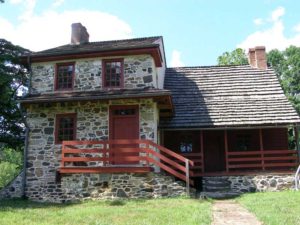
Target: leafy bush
[(10, 165)]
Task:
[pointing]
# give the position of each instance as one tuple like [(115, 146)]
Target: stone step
[(216, 183), (220, 195), (216, 178), (216, 189)]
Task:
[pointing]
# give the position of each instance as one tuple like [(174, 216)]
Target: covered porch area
[(227, 152)]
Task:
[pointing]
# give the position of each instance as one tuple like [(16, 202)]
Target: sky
[(195, 32)]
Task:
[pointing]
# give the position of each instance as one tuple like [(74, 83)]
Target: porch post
[(202, 151), (261, 144), (226, 150), (187, 176), (296, 129)]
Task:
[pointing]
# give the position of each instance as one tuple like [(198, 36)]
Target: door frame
[(111, 117)]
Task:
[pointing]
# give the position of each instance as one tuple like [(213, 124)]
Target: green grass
[(175, 211), (274, 208)]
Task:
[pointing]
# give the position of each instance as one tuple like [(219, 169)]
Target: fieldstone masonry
[(139, 72), (266, 182), (125, 185), (44, 155), (253, 183)]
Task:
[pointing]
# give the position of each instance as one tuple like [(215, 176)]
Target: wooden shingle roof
[(226, 96), (90, 47)]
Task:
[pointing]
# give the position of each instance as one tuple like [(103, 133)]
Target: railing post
[(187, 176)]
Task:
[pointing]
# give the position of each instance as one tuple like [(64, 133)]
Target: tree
[(236, 57), (13, 77), (287, 67)]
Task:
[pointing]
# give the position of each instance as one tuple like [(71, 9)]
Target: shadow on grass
[(17, 203)]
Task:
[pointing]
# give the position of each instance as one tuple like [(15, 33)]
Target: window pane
[(64, 76), (66, 128), (113, 74)]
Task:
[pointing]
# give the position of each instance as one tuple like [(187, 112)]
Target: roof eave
[(152, 50), (52, 99)]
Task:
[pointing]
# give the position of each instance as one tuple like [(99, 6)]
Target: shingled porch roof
[(226, 96)]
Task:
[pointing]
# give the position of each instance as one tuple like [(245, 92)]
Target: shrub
[(10, 165)]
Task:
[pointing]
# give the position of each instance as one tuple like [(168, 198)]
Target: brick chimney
[(257, 57), (79, 34)]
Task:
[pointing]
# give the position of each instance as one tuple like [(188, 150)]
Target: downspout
[(27, 129)]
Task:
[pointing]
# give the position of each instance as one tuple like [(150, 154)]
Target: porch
[(186, 155), (235, 151)]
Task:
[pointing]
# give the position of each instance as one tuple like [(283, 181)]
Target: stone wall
[(139, 72), (14, 189), (127, 185), (266, 182), (254, 183), (44, 155)]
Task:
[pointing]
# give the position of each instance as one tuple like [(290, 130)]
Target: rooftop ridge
[(126, 39), (208, 66)]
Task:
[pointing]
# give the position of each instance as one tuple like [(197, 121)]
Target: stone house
[(109, 119)]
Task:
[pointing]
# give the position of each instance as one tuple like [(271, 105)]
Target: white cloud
[(51, 29), (15, 2), (176, 59), (29, 9), (258, 21), (277, 13), (273, 36), (297, 28), (57, 3)]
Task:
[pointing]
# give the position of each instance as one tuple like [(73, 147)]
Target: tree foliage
[(13, 78), (10, 165), (235, 57), (287, 67)]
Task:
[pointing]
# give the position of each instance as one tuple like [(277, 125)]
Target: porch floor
[(107, 169)]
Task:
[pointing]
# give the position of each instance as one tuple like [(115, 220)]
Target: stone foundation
[(74, 187), (14, 189), (262, 182)]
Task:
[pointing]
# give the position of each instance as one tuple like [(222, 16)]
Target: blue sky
[(195, 32)]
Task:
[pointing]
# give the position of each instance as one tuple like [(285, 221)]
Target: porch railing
[(261, 160), (114, 156)]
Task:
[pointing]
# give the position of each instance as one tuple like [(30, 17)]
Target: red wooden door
[(214, 151), (124, 124)]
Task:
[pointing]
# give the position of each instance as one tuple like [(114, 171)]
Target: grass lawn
[(272, 208), (181, 211)]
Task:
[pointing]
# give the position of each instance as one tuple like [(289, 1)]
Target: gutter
[(27, 130)]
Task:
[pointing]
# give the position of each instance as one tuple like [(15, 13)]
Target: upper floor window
[(113, 73), (65, 129), (64, 79)]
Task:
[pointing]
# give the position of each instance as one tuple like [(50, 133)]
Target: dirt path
[(228, 212)]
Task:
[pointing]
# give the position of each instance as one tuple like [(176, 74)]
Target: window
[(124, 112), (112, 73), (186, 144), (65, 129), (243, 142), (64, 76)]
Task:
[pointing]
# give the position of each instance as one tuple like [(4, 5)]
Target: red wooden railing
[(115, 156), (261, 160)]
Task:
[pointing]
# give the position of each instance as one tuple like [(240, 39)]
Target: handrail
[(141, 151), (297, 178)]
